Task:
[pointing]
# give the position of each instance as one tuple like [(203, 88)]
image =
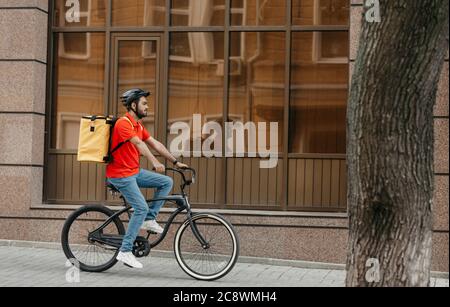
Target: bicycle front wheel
[(215, 260)]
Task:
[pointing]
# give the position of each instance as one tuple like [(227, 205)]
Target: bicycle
[(206, 246)]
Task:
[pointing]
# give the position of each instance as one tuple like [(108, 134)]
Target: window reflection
[(319, 92), (198, 13), (139, 12), (137, 69), (257, 76), (320, 12), (81, 13), (258, 12), (79, 72), (196, 77)]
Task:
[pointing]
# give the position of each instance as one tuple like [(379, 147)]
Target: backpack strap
[(109, 158), (123, 143), (132, 127)]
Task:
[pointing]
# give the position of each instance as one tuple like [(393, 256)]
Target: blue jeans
[(130, 189)]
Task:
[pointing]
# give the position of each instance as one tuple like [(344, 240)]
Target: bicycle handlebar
[(181, 172)]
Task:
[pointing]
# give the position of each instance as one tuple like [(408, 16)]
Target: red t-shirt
[(126, 159)]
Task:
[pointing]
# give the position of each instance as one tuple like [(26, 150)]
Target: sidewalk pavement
[(38, 267)]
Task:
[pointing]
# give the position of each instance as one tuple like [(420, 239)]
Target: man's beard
[(142, 115)]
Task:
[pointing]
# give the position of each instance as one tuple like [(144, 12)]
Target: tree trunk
[(391, 143)]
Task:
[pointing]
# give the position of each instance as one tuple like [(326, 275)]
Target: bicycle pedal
[(129, 266), (151, 232)]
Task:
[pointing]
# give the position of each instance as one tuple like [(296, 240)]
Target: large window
[(79, 74), (319, 92), (254, 63), (198, 13), (138, 13), (320, 12), (196, 78), (137, 65), (257, 79), (258, 12)]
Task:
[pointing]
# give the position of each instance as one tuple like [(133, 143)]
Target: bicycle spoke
[(91, 256)]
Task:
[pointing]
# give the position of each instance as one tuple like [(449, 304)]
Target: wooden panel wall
[(249, 185), (317, 184), (71, 181), (313, 184)]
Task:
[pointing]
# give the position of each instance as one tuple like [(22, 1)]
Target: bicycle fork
[(196, 232)]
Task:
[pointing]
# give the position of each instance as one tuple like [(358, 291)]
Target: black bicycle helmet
[(133, 95)]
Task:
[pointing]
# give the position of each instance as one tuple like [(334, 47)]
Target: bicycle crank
[(141, 247)]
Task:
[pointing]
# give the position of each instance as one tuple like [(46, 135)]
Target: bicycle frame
[(182, 203)]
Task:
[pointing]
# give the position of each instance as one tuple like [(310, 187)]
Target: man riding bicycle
[(124, 172)]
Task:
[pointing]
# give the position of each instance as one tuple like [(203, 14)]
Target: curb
[(242, 259)]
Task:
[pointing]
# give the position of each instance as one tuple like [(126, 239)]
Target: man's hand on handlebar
[(159, 168), (181, 165)]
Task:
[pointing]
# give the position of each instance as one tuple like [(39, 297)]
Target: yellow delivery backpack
[(95, 139)]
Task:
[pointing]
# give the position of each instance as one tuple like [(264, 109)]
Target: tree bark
[(391, 143)]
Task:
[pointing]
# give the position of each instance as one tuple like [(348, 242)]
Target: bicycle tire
[(66, 231), (186, 267)]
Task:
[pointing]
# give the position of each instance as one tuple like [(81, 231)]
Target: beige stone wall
[(23, 62)]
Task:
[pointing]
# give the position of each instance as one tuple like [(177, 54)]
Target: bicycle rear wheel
[(214, 261), (91, 256)]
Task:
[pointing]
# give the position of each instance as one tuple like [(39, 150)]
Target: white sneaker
[(152, 225), (129, 260)]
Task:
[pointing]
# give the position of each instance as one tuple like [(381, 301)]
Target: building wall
[(23, 61), (23, 216)]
